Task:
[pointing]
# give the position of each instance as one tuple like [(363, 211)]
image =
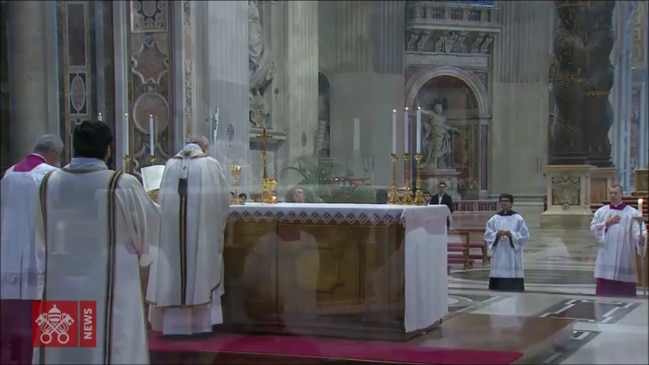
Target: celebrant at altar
[(186, 279), (506, 234), (618, 238)]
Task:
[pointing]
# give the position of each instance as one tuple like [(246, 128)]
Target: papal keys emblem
[(53, 323)]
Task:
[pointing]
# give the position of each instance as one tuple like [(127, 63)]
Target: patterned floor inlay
[(590, 311), (470, 302), (579, 339), (535, 276)]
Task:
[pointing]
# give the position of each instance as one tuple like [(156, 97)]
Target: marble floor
[(559, 283)]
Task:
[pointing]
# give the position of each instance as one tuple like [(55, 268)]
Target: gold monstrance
[(268, 184)]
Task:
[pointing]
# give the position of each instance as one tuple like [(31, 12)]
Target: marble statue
[(436, 138), (260, 65)]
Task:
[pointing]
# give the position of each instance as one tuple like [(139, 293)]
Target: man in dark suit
[(442, 198)]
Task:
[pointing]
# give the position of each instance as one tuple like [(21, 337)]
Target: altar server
[(506, 234), (618, 239), (186, 280), (92, 223), (21, 277)]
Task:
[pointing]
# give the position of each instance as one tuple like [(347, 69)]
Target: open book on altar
[(152, 177)]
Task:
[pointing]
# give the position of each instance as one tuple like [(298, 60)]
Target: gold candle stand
[(419, 195), (407, 192), (151, 160), (394, 195), (235, 170), (268, 184)]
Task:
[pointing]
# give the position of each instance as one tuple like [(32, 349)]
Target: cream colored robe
[(186, 279), (91, 230), (618, 245)]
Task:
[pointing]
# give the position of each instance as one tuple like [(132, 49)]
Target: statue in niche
[(260, 65), (436, 138)]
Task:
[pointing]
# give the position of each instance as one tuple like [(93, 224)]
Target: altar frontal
[(344, 270)]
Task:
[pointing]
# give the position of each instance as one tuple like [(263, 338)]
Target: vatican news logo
[(63, 323)]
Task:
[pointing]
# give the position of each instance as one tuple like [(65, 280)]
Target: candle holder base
[(407, 195), (268, 187), (235, 171), (394, 195), (419, 195), (151, 160), (419, 198)]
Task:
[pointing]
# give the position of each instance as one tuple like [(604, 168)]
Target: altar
[(343, 270)]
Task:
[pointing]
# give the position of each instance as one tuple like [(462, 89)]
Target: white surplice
[(617, 245), (507, 261), (21, 277), (186, 279), (93, 223)]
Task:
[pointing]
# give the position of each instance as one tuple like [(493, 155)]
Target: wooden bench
[(460, 252)]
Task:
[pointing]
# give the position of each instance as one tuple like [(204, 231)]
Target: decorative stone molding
[(569, 192), (420, 78)]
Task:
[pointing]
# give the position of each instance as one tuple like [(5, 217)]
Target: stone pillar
[(302, 80), (622, 92), (597, 110), (568, 85), (28, 86), (222, 62)]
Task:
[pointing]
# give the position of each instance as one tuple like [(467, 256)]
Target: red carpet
[(327, 348)]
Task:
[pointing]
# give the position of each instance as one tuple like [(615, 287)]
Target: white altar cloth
[(426, 277)]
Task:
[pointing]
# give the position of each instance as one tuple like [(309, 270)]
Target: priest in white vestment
[(21, 277), (618, 240), (186, 279), (506, 235), (92, 224)]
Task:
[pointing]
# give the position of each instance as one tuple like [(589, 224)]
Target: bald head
[(50, 147), (201, 141)]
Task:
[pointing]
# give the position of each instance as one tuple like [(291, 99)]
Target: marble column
[(222, 63), (302, 80), (620, 134), (28, 75)]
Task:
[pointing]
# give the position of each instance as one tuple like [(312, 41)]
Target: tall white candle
[(100, 117), (125, 134), (640, 201), (152, 136), (406, 124), (394, 131), (418, 129), (357, 134)]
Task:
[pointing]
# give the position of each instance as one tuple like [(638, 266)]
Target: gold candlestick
[(235, 170), (419, 195), (127, 164), (151, 160), (407, 193), (267, 184), (394, 195)]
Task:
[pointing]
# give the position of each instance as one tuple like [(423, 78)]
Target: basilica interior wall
[(519, 129), (361, 55)]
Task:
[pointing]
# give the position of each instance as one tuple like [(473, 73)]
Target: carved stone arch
[(420, 78)]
